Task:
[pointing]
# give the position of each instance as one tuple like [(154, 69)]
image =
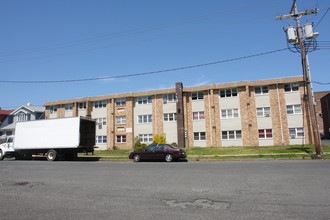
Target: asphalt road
[(158, 190)]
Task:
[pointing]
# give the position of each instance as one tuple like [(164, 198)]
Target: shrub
[(159, 139), (138, 145)]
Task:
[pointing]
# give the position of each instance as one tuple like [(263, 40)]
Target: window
[(199, 136), (229, 113), (68, 107), (291, 87), (144, 119), (296, 132), (259, 90), (101, 122), (265, 133), (121, 139), (121, 120), (169, 98), (23, 117), (121, 101), (101, 139), (293, 109), (120, 109), (228, 92), (53, 109), (231, 135), (198, 116), (144, 100), (170, 117), (197, 95), (100, 104), (146, 138), (10, 119), (82, 105), (263, 112), (120, 129)]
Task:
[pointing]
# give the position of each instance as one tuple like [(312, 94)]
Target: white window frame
[(68, 107), (143, 100), (101, 122), (201, 136), (100, 104), (198, 115), (263, 112), (121, 138), (53, 109), (231, 135), (144, 119), (261, 90), (291, 87), (23, 117), (296, 133), (265, 133), (120, 101), (197, 96), (229, 113), (169, 117), (101, 139), (82, 105), (296, 109), (227, 93), (146, 138), (120, 120), (169, 98)]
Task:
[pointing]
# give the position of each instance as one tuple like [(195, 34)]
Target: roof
[(292, 79), (11, 126), (5, 112), (30, 108)]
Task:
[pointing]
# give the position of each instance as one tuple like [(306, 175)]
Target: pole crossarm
[(295, 15)]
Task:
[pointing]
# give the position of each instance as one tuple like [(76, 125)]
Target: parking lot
[(156, 190)]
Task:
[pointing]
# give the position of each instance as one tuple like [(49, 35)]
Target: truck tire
[(52, 155), (1, 155)]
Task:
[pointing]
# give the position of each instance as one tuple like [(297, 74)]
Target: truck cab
[(6, 149)]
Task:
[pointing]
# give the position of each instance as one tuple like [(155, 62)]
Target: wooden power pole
[(311, 116)]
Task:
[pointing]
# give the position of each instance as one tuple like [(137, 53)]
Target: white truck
[(60, 138)]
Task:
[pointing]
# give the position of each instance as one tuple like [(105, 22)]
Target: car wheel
[(136, 158), (168, 158), (1, 155), (51, 155)]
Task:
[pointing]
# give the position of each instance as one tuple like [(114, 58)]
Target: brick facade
[(211, 106)]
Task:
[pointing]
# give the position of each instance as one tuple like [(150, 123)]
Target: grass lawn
[(197, 153)]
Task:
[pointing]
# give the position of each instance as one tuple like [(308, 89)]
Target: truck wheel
[(52, 155), (1, 155)]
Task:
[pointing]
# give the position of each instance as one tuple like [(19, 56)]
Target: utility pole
[(296, 37)]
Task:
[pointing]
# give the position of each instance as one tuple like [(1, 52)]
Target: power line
[(321, 83), (139, 30), (137, 41), (139, 74)]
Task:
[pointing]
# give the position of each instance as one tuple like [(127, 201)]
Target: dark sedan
[(165, 152)]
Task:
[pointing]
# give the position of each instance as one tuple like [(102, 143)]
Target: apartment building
[(245, 113)]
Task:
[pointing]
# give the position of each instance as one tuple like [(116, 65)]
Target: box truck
[(60, 138)]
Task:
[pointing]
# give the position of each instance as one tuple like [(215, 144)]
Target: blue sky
[(44, 40)]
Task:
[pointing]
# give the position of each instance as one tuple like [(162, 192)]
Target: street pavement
[(287, 189)]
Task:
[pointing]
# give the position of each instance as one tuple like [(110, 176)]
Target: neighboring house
[(318, 109), (4, 121), (23, 113), (245, 113)]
